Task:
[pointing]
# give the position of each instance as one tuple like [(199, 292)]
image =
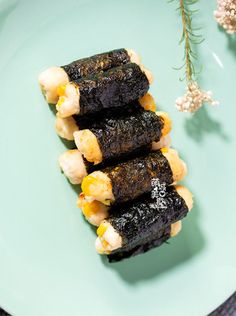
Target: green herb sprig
[(189, 38), (195, 97)]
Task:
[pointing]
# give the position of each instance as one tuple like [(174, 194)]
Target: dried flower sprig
[(194, 97), (226, 15)]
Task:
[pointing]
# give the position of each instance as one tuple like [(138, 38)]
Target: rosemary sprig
[(189, 38), (195, 97)]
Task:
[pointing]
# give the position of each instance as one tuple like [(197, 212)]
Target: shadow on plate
[(201, 124), (161, 260), (231, 40), (232, 43), (6, 7)]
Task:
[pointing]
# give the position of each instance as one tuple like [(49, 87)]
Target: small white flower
[(194, 98), (225, 15)]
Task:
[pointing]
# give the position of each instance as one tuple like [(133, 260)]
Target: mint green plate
[(48, 265)]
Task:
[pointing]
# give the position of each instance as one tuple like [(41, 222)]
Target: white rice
[(50, 80)]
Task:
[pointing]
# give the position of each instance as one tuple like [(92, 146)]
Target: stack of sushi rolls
[(65, 127), (121, 144)]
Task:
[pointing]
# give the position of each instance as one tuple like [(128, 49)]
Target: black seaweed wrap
[(90, 167), (136, 221), (115, 87), (155, 241), (97, 63), (100, 119), (133, 178), (127, 133)]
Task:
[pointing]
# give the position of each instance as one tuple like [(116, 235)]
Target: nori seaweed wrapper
[(133, 178), (137, 221), (90, 167), (99, 119), (124, 134), (97, 63), (162, 236), (115, 87)]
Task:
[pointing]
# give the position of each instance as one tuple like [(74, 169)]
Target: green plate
[(48, 265)]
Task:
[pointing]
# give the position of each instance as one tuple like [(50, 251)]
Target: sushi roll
[(154, 241), (133, 178), (134, 223), (112, 138), (54, 77), (95, 212), (65, 127), (113, 88), (75, 167)]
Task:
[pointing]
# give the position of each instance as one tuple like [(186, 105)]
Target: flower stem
[(189, 37), (187, 46)]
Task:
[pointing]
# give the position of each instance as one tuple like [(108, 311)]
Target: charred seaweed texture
[(136, 221), (139, 152), (127, 133), (99, 119), (115, 87), (156, 241), (94, 64), (133, 178)]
